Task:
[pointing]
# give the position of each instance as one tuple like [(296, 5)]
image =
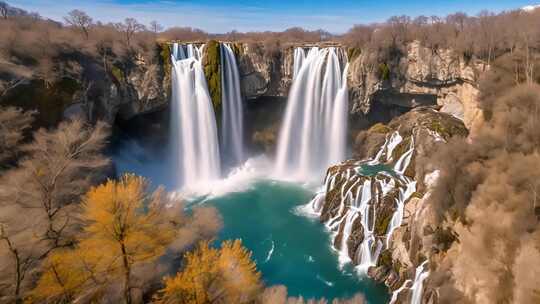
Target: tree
[(13, 123), (119, 235), (129, 28), (37, 210), (155, 27), (80, 20), (212, 275)]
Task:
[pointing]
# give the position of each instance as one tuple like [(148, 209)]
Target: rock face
[(418, 77), (415, 78), (83, 85), (374, 203), (264, 72)]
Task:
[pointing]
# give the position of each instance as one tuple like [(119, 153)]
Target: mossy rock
[(50, 100), (401, 148), (385, 258), (212, 71), (379, 128), (445, 126), (384, 72), (165, 57), (118, 74)]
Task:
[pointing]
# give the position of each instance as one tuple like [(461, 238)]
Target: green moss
[(165, 57), (211, 66), (379, 128), (118, 74), (381, 224), (385, 258), (384, 71), (445, 127), (353, 53)]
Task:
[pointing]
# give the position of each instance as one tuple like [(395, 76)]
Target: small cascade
[(299, 56), (359, 193), (420, 275), (312, 135), (232, 126), (194, 140)]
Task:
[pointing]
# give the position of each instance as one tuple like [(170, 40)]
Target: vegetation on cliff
[(212, 70)]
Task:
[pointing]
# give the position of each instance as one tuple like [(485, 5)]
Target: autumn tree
[(13, 123), (37, 199), (130, 238), (79, 20), (214, 275)]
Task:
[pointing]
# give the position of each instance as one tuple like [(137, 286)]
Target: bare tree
[(80, 20), (13, 123), (129, 28), (155, 27), (38, 199)]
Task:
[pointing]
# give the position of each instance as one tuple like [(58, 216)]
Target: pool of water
[(289, 248)]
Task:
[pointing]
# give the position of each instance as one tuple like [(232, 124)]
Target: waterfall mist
[(312, 135), (232, 126), (195, 150)]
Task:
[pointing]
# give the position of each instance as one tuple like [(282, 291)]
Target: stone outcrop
[(377, 154), (419, 76), (82, 85)]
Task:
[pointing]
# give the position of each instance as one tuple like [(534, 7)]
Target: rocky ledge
[(374, 204)]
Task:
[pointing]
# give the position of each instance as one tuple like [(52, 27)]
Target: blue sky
[(218, 16)]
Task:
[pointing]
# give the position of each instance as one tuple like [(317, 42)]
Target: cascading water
[(299, 56), (194, 139), (312, 136), (232, 129), (359, 197)]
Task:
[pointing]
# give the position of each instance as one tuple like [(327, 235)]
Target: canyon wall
[(374, 204), (99, 89)]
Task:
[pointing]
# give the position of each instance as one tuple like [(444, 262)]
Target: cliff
[(102, 88), (89, 85), (374, 203)]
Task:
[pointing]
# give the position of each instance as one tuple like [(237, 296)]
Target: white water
[(359, 205), (232, 126), (312, 136), (194, 139), (420, 275), (397, 291), (299, 56)]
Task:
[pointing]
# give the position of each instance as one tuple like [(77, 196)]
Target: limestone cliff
[(88, 85), (419, 76)]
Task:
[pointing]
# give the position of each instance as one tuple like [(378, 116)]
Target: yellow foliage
[(211, 275), (124, 226)]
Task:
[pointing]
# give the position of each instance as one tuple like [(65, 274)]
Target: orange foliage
[(212, 275)]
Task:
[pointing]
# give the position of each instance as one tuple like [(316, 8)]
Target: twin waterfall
[(312, 135), (194, 137)]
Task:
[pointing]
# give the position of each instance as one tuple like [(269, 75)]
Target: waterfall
[(420, 275), (194, 140), (232, 129), (312, 136), (299, 56), (360, 194)]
